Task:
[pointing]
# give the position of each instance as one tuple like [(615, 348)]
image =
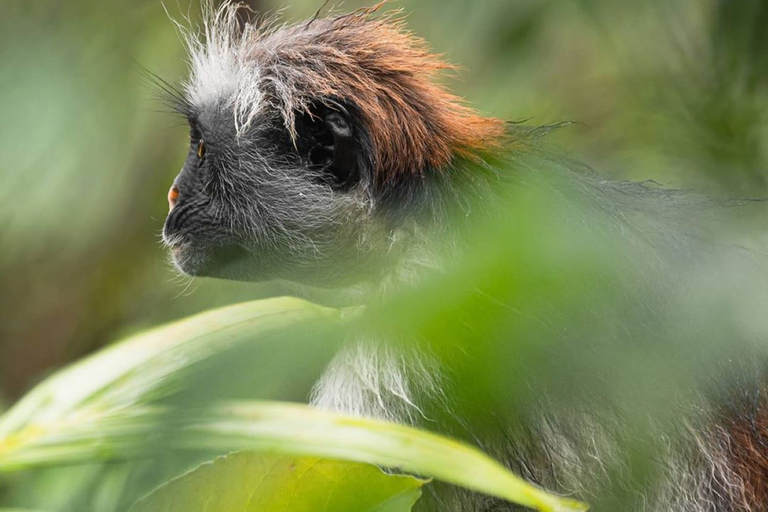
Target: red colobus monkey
[(325, 153)]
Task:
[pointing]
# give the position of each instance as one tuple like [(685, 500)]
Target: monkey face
[(319, 151), (262, 203)]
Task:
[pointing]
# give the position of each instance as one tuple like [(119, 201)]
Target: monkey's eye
[(201, 149)]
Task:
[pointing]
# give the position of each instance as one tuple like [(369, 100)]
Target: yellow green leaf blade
[(248, 482), (292, 429), (110, 435), (126, 375)]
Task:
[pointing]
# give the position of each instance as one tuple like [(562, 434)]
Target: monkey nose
[(173, 197)]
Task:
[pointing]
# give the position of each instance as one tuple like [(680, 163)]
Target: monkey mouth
[(185, 256), (227, 261)]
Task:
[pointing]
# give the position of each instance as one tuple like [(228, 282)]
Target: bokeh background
[(674, 91)]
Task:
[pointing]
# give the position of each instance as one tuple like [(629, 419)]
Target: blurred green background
[(674, 91), (670, 90)]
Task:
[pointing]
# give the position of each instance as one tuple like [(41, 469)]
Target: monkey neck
[(418, 223)]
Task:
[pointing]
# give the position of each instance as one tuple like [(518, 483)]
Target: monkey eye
[(330, 145), (201, 149)]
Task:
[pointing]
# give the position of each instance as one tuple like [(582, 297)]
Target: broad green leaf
[(292, 429), (245, 482), (101, 401)]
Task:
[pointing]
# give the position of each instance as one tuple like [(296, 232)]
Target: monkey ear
[(332, 146)]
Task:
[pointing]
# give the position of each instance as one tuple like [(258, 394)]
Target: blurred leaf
[(246, 482), (106, 407), (18, 510), (100, 404)]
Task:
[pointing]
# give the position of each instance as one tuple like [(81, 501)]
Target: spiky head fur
[(413, 123)]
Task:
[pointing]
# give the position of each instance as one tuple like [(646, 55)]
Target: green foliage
[(105, 405), (564, 303), (111, 406), (244, 482)]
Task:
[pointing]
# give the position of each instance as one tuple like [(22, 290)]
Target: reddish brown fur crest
[(414, 123), (746, 453)]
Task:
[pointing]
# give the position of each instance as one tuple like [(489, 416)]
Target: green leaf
[(297, 430), (292, 429), (245, 482), (103, 403), (105, 408)]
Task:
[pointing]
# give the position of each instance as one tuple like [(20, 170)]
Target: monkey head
[(310, 146), (257, 204)]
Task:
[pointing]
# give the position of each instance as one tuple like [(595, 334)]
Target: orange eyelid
[(200, 149)]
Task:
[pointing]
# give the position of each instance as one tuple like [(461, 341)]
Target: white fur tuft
[(376, 380), (221, 71)]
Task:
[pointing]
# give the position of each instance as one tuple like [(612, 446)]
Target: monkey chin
[(223, 262), (237, 263)]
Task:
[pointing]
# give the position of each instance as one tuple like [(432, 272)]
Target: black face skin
[(259, 207)]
